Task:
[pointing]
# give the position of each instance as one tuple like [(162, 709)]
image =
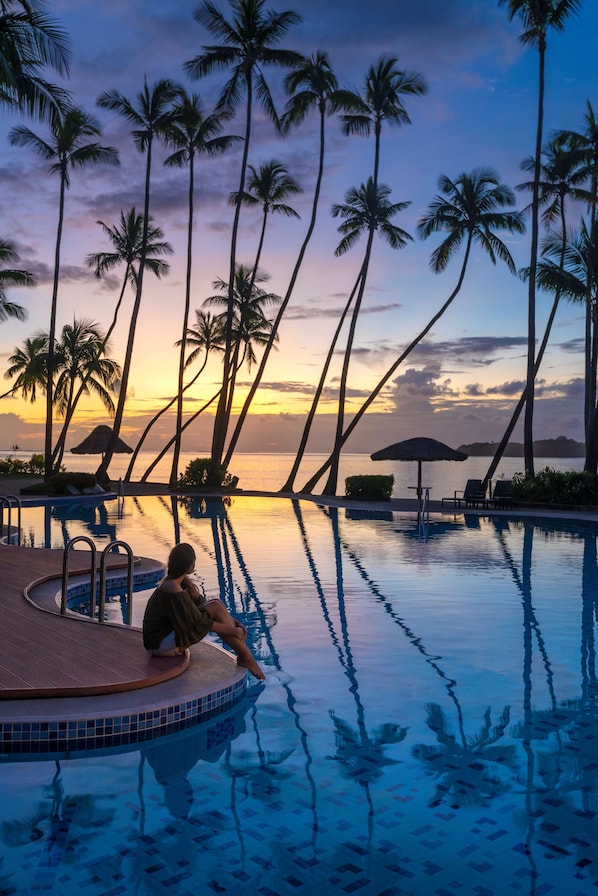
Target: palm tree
[(30, 41), (11, 277), (250, 327), (248, 46), (384, 87), (249, 321), (127, 240), (29, 365), (206, 336), (587, 142), (151, 116), (577, 278), (192, 133), (537, 17), (267, 188), (366, 210), (312, 85), (82, 351), (68, 147), (562, 172), (469, 210)]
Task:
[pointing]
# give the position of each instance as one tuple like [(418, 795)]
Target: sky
[(461, 384)]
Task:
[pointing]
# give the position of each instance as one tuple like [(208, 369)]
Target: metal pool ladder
[(102, 580), (7, 501)]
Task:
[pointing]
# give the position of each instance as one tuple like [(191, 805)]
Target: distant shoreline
[(559, 447)]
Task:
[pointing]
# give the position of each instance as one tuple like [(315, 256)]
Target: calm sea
[(268, 472)]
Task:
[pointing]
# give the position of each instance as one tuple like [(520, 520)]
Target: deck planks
[(47, 655)]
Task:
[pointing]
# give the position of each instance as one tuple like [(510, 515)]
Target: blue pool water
[(429, 724)]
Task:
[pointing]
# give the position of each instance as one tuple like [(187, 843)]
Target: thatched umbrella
[(419, 449), (97, 443)]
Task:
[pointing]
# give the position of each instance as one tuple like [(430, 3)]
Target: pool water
[(429, 723)]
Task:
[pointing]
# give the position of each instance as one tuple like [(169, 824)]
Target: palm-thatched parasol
[(419, 449), (97, 442)]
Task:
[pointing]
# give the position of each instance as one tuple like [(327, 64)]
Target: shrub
[(555, 487), (196, 475), (369, 487), (14, 466), (62, 484)]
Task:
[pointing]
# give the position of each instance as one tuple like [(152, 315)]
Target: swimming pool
[(429, 723)]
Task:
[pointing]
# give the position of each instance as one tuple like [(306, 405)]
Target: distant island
[(560, 447)]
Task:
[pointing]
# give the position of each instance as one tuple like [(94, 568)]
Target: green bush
[(369, 487), (14, 466), (555, 487), (62, 484), (196, 475)]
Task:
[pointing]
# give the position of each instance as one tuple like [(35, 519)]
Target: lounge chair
[(502, 496), (474, 495)]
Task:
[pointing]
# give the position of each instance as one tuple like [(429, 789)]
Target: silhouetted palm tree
[(192, 133), (587, 142), (81, 351), (385, 86), (562, 172), (11, 277), (151, 117), (537, 18), (366, 210), (29, 365), (127, 240), (207, 335), (249, 40), (31, 41), (250, 325), (312, 85), (577, 278), (469, 210), (68, 147)]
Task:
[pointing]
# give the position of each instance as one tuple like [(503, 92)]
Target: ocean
[(268, 472)]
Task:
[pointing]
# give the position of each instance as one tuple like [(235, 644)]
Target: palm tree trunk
[(274, 331), (155, 419), (331, 484), (382, 382), (174, 472), (289, 485), (101, 472), (168, 445), (221, 419), (48, 468), (498, 455), (528, 437)]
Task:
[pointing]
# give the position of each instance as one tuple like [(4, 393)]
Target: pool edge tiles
[(43, 727)]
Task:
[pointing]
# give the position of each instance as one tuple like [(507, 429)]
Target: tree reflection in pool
[(429, 723)]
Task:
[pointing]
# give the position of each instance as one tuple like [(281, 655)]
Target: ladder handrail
[(7, 500), (103, 561), (65, 573)]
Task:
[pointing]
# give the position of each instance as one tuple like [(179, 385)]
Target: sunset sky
[(480, 110)]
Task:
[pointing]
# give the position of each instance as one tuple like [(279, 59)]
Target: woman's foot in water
[(251, 665)]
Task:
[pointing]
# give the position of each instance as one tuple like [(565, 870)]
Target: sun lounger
[(502, 497), (474, 495)]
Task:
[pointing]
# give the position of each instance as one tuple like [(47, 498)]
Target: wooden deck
[(47, 655)]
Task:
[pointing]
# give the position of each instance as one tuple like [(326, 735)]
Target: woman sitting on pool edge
[(176, 616)]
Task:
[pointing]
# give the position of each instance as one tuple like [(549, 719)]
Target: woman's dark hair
[(180, 559)]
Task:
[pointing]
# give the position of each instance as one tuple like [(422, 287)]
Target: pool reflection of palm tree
[(52, 822), (482, 745), (360, 753), (561, 741), (469, 770), (253, 771)]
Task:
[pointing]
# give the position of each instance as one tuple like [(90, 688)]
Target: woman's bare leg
[(219, 613)]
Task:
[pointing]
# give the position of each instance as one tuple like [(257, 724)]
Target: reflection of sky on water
[(430, 703)]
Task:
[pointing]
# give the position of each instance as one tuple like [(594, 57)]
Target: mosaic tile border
[(116, 730)]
